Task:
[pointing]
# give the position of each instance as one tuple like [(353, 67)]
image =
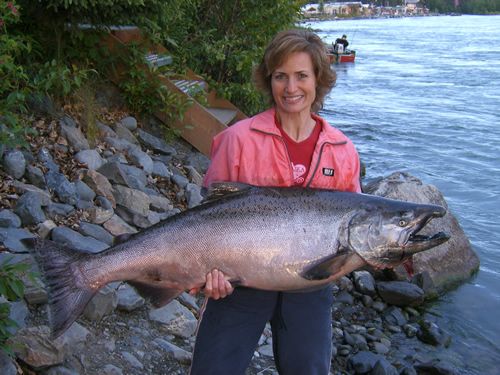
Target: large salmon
[(265, 238)]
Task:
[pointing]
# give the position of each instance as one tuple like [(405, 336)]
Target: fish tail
[(67, 299)]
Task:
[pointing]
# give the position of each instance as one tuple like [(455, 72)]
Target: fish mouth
[(418, 242)]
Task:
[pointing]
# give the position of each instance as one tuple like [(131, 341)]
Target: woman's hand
[(216, 285)]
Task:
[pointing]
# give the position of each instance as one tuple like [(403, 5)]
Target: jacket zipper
[(319, 158)]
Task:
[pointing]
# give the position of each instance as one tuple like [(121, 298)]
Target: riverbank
[(130, 179)]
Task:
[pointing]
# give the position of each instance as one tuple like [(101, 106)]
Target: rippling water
[(424, 97)]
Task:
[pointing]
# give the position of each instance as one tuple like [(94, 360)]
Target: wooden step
[(190, 86), (155, 60), (223, 115)]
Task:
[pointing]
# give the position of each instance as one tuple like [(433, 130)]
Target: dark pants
[(231, 327)]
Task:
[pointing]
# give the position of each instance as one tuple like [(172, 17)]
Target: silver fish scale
[(275, 233)]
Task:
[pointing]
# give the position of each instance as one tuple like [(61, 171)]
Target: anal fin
[(158, 296)]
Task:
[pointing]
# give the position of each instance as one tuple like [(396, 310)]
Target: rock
[(177, 318), (141, 159), (43, 195), (160, 169), (431, 334), (54, 210), (400, 293), (364, 283), (383, 367), (84, 192), (123, 133), (45, 228), (160, 204), (74, 135), (105, 130), (134, 200), (7, 364), (116, 226), (11, 239), (424, 281), (9, 219), (193, 195), (447, 264), (99, 184), (36, 349), (69, 238), (35, 176), (102, 304), (129, 122), (119, 144), (128, 299), (363, 362), (155, 143), (437, 367), (15, 164), (123, 174), (29, 209), (63, 188), (45, 158), (95, 231), (98, 215), (91, 158), (394, 316), (111, 370), (195, 176), (174, 351), (180, 180), (131, 360)]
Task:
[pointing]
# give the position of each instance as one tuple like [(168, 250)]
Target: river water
[(424, 97)]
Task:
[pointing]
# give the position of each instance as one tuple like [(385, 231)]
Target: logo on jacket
[(328, 172)]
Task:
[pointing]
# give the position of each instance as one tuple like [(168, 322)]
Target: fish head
[(385, 232)]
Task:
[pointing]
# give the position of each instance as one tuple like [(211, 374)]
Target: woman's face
[(293, 84)]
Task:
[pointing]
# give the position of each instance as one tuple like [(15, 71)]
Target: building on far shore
[(349, 9)]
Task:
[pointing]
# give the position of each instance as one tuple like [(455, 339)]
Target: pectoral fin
[(333, 267)]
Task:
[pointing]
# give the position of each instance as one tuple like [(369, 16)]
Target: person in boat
[(341, 44), (286, 145)]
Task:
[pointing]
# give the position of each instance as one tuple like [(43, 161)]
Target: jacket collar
[(264, 122)]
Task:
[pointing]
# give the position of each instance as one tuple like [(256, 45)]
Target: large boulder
[(448, 264)]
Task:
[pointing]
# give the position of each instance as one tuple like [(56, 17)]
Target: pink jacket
[(252, 151)]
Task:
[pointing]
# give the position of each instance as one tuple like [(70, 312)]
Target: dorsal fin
[(218, 190)]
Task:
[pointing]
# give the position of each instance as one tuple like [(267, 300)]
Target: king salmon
[(283, 239)]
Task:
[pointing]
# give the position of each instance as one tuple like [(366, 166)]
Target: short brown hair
[(278, 50)]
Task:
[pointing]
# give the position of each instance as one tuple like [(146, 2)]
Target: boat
[(348, 56)]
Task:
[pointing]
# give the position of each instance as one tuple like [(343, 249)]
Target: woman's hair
[(286, 43)]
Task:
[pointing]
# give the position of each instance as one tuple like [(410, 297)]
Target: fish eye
[(402, 223)]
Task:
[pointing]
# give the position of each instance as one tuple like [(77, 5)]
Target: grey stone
[(160, 169), (364, 283), (54, 210), (180, 180), (178, 319), (134, 200), (111, 370), (105, 130), (383, 367), (123, 133), (7, 364), (447, 264), (45, 158), (9, 219), (132, 360), (394, 316), (119, 144), (193, 195), (155, 143), (22, 188), (29, 209), (141, 159), (95, 231), (100, 185), (128, 299), (75, 240), (102, 304), (45, 228), (35, 176), (63, 188), (430, 333), (129, 122), (75, 137), (130, 176), (91, 158), (84, 191), (15, 163), (174, 351), (117, 226), (400, 293)]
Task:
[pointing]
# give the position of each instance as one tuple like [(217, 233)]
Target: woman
[(287, 145)]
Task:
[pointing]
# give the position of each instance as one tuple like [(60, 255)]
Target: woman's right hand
[(216, 285)]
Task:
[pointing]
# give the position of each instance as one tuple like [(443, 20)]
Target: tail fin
[(67, 298)]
